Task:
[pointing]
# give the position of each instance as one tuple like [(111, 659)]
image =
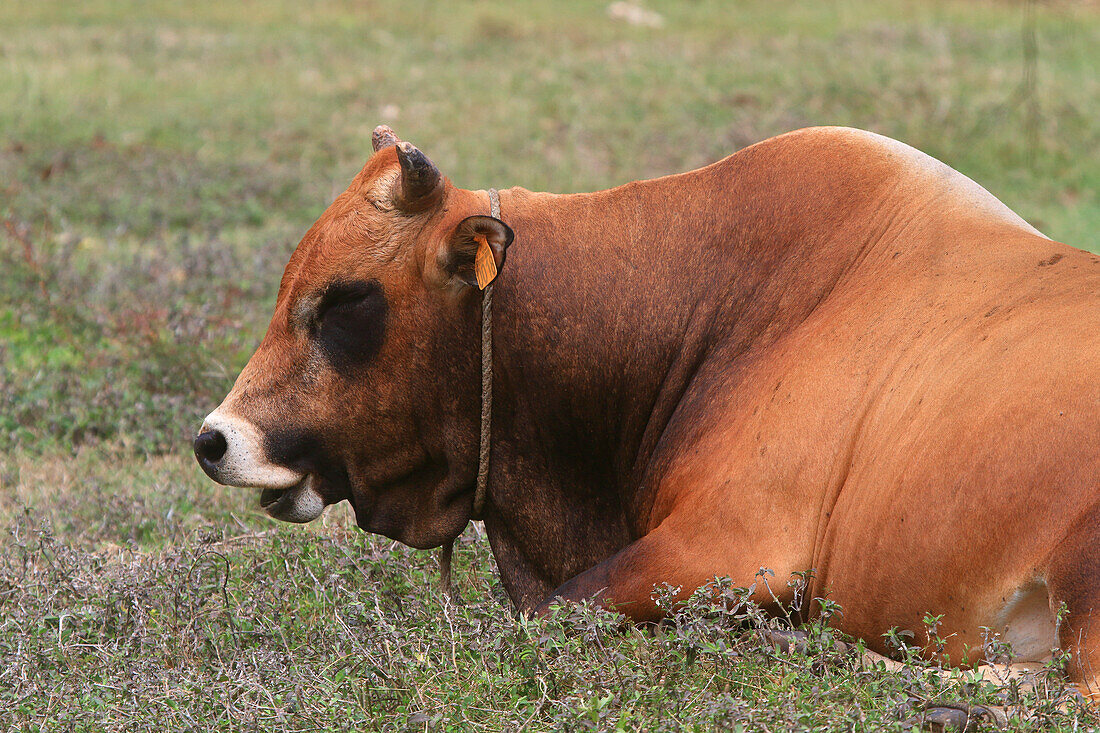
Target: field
[(158, 163)]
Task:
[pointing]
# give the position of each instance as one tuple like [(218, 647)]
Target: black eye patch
[(351, 322)]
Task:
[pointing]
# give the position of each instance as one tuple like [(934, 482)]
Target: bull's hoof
[(945, 717), (785, 640), (792, 640)]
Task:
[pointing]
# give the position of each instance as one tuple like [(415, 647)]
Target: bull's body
[(827, 351)]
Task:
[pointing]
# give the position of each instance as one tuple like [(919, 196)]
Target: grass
[(126, 608), (158, 162)]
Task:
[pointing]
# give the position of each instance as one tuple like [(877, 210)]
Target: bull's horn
[(420, 179), (383, 137)]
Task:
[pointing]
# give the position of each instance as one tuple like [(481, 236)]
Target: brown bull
[(826, 351)]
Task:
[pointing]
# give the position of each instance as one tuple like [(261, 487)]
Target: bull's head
[(366, 385)]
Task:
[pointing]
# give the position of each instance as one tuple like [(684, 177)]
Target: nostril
[(210, 446)]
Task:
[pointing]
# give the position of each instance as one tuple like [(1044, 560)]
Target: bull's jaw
[(300, 503), (414, 524)]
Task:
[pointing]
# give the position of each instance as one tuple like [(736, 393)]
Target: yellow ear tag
[(485, 265)]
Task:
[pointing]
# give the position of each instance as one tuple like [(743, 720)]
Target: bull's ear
[(477, 249)]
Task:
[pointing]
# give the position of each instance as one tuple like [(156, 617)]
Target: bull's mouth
[(271, 497), (298, 503)]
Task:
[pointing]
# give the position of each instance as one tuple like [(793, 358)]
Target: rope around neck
[(486, 381), (482, 488)]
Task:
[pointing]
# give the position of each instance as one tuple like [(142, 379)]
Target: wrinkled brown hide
[(826, 351)]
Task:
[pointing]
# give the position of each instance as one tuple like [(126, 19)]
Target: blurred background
[(159, 161)]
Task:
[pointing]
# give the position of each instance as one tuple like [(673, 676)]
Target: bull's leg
[(1081, 637), (1073, 576), (625, 581)]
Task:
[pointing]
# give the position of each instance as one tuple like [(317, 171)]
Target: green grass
[(158, 162)]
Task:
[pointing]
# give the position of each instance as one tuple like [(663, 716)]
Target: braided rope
[(482, 488), (486, 381)]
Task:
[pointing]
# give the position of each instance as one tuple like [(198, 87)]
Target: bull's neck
[(610, 304)]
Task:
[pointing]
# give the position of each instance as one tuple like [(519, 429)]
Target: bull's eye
[(351, 322)]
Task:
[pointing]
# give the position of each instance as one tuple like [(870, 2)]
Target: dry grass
[(235, 630)]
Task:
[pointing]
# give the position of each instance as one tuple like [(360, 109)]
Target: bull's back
[(924, 435), (976, 448), (937, 412)]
